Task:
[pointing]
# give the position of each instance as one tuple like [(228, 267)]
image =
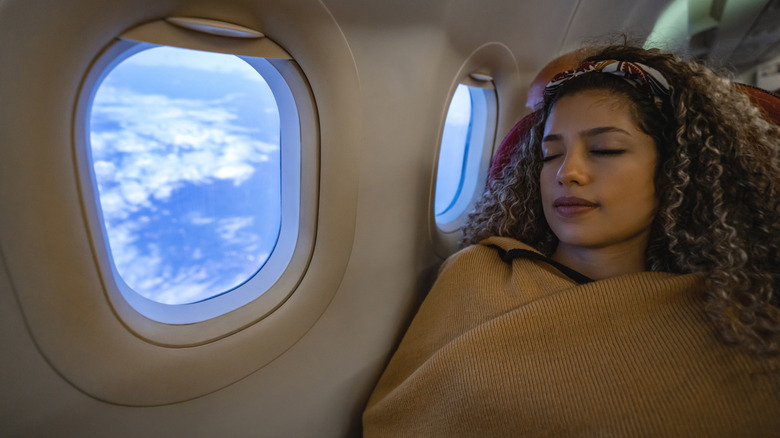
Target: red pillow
[(517, 135), (766, 100)]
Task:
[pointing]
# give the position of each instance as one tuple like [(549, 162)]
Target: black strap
[(508, 256)]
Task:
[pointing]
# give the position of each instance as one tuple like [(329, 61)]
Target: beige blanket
[(518, 348)]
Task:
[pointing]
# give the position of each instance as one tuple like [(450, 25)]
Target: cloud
[(195, 60), (459, 112), (146, 150), (229, 228), (162, 143), (145, 267)]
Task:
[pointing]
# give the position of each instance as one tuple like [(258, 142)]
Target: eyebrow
[(587, 133)]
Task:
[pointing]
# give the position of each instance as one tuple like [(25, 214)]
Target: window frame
[(273, 283), (123, 358), (479, 151)]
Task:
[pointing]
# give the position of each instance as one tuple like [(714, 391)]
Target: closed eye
[(607, 152), (550, 157)]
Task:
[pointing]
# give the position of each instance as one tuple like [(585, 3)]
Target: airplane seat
[(765, 100)]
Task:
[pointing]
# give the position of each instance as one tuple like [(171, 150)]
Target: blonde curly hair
[(717, 182)]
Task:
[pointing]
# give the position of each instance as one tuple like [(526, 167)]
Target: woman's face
[(597, 180)]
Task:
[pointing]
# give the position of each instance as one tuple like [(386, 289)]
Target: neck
[(606, 262)]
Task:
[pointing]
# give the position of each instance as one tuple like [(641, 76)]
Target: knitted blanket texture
[(518, 348)]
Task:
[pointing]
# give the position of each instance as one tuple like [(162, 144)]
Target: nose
[(573, 170)]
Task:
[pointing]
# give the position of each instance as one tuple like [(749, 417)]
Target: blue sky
[(453, 148), (185, 151)]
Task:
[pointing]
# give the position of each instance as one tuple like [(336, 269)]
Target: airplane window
[(195, 160), (185, 150), (454, 143), (464, 154)]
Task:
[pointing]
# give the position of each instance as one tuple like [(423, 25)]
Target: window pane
[(454, 144), (185, 151)]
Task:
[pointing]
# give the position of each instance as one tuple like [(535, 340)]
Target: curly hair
[(717, 183)]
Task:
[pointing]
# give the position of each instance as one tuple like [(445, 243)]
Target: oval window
[(197, 164), (464, 155)]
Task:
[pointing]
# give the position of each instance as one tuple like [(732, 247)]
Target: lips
[(569, 206)]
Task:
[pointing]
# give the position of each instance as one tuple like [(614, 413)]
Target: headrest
[(517, 135), (767, 101)]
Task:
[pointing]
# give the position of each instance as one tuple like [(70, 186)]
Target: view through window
[(452, 155), (185, 149)]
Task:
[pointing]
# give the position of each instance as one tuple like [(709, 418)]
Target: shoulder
[(486, 273), (506, 243), (487, 252)]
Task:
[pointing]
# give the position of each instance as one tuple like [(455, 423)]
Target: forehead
[(592, 108)]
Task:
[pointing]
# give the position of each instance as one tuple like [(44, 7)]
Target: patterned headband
[(642, 77)]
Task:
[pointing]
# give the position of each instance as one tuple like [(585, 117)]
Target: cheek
[(546, 179), (637, 190), (546, 189), (648, 183)]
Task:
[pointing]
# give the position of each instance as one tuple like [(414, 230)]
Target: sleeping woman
[(622, 272)]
